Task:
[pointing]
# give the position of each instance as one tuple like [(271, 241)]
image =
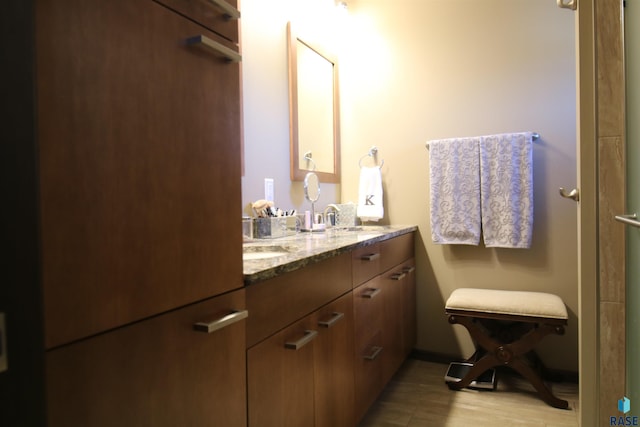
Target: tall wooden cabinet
[(139, 144)]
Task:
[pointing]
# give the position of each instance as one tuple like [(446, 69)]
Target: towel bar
[(534, 137)]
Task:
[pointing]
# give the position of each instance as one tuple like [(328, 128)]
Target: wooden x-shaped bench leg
[(512, 354)]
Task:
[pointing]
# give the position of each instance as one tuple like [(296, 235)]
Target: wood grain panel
[(333, 366), (397, 250), (280, 380), (139, 150), (207, 14), (366, 263), (277, 302), (158, 372)]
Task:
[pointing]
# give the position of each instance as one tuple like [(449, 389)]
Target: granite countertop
[(302, 249)]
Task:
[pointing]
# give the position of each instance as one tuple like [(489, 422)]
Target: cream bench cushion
[(514, 303)]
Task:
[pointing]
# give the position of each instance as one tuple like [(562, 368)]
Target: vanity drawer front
[(368, 309), (397, 250), (208, 14), (366, 263), (278, 302)]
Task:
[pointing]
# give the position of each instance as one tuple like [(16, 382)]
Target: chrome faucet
[(330, 217)]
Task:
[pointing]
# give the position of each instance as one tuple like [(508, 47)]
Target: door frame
[(601, 179), (587, 215)]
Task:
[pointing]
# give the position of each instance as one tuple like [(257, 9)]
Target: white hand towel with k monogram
[(370, 206)]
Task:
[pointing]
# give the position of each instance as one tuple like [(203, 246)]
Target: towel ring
[(308, 157), (373, 153)]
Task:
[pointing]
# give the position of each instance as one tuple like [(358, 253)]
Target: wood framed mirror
[(314, 110)]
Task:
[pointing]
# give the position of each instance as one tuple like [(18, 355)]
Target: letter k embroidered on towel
[(370, 206)]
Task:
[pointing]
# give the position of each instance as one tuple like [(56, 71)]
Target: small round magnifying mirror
[(311, 187)]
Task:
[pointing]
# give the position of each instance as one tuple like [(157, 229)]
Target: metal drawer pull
[(334, 319), (398, 276), (375, 351), (370, 257), (371, 292), (230, 54), (230, 12), (214, 325), (408, 269), (309, 335), (628, 219)]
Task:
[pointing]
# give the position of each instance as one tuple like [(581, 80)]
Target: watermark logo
[(624, 406)]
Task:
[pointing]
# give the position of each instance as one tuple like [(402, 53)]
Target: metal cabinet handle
[(230, 12), (200, 40), (370, 257), (398, 276), (216, 324), (375, 352), (371, 292), (409, 269), (309, 335), (573, 194), (629, 219), (334, 319)]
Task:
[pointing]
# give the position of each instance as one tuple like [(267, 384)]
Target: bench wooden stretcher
[(505, 327)]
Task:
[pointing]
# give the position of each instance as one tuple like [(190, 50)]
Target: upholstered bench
[(505, 327)]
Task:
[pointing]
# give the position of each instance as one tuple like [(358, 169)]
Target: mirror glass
[(313, 110), (311, 187)]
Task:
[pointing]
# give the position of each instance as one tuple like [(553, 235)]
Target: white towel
[(506, 175), (454, 173), (370, 206)]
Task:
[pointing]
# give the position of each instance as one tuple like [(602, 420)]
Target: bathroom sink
[(364, 232), (369, 228), (367, 236), (250, 253)]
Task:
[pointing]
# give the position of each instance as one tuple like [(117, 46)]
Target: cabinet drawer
[(368, 309), (281, 377), (159, 372), (209, 14), (277, 302), (397, 250), (366, 263), (333, 361)]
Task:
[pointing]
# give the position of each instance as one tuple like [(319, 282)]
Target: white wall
[(414, 70)]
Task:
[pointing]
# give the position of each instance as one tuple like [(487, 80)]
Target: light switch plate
[(4, 364), (269, 190)]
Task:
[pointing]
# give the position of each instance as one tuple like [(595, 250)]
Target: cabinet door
[(409, 316), (370, 352), (158, 372), (139, 146), (281, 377), (392, 282), (333, 364)]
